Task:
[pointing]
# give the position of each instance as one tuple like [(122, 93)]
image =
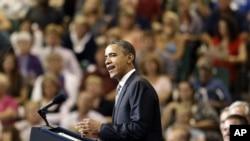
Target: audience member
[(210, 25), (10, 133), (209, 89), (169, 38), (228, 50), (149, 9), (17, 87), (8, 105), (94, 85), (67, 81), (126, 28), (151, 68), (232, 120), (93, 10), (190, 22), (43, 14), (240, 108), (149, 46), (178, 133), (183, 117), (50, 89), (81, 41), (223, 116), (29, 64), (84, 110), (36, 34), (5, 25), (31, 119), (204, 116), (53, 34)]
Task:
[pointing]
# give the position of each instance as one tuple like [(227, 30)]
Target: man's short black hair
[(243, 120), (126, 46)]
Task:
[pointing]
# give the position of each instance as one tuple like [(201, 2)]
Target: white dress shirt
[(122, 83)]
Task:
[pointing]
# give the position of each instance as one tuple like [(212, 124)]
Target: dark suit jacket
[(136, 116)]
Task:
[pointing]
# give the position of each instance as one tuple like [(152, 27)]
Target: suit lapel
[(122, 93)]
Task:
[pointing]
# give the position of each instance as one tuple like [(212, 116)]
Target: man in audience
[(232, 120), (210, 89)]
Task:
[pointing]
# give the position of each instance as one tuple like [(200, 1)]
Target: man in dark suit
[(136, 115)]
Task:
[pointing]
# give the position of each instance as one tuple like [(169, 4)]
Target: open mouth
[(110, 68)]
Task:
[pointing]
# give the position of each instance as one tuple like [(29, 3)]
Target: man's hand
[(89, 128)]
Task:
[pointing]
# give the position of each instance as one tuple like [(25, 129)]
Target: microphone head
[(59, 98)]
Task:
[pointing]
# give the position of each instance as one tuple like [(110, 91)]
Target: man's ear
[(131, 58)]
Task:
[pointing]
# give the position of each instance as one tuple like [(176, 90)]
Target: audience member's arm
[(167, 115), (9, 113), (4, 22), (180, 49), (241, 57), (204, 124)]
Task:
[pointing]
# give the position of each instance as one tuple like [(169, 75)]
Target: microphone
[(57, 100)]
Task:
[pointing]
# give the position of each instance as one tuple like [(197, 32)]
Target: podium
[(48, 133)]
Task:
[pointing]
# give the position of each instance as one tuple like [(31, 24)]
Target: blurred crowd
[(195, 53)]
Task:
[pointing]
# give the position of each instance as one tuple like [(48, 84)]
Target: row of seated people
[(186, 110)]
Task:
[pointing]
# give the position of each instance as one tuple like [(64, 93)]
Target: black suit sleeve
[(143, 102)]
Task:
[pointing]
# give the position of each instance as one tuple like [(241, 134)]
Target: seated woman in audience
[(32, 119), (50, 89), (203, 116), (36, 34), (17, 87), (8, 105), (84, 110), (94, 85), (29, 64), (152, 68), (10, 133), (67, 81)]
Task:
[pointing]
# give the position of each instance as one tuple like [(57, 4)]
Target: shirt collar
[(125, 77)]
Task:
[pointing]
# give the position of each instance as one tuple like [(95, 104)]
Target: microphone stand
[(42, 112)]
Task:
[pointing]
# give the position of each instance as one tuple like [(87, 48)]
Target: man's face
[(226, 130), (117, 63), (205, 75)]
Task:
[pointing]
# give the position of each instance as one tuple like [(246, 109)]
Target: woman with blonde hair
[(169, 39)]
